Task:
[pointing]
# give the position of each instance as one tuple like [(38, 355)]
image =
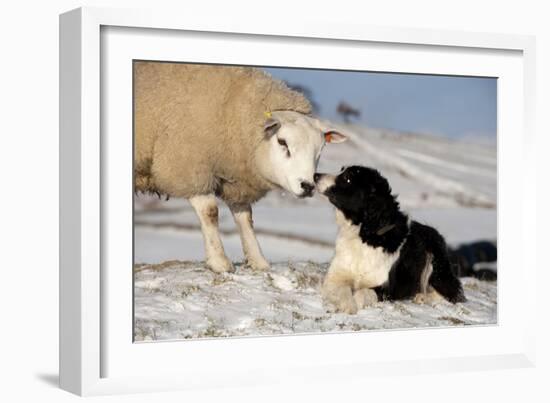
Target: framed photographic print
[(343, 190)]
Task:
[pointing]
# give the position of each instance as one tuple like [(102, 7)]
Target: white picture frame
[(97, 355)]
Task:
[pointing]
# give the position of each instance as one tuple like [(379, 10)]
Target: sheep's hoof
[(258, 265), (220, 265)]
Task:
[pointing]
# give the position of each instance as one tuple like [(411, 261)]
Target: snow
[(313, 230), (183, 300), (449, 184)]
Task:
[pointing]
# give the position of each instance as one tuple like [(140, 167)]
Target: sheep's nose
[(316, 177), (307, 187)]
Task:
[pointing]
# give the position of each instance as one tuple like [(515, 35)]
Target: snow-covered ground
[(182, 300), (446, 183)]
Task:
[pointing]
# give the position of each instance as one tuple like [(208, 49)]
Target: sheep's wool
[(198, 128)]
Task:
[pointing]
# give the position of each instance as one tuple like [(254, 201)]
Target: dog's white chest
[(365, 266)]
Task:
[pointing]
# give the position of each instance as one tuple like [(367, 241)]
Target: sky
[(449, 106)]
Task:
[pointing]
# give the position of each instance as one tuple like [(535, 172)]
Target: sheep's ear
[(271, 126), (332, 136)]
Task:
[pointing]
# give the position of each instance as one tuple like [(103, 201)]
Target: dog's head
[(361, 194)]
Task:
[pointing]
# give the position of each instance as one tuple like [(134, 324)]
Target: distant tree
[(307, 93), (346, 111)]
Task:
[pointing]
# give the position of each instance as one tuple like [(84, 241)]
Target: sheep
[(205, 131)]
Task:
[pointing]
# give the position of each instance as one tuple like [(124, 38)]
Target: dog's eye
[(345, 179)]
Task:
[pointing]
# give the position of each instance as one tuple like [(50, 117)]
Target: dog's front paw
[(339, 295), (347, 305), (365, 297)]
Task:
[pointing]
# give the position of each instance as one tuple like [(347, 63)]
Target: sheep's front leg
[(252, 252), (206, 208)]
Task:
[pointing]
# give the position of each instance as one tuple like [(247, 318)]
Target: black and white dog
[(380, 253)]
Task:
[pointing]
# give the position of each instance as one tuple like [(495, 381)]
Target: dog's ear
[(373, 212), (382, 184)]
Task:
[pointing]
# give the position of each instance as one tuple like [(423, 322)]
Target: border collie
[(380, 253)]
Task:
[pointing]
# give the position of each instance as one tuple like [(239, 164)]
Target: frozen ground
[(182, 300), (446, 183)]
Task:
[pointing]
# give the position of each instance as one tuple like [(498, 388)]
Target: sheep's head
[(294, 144)]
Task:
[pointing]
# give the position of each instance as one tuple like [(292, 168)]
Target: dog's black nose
[(316, 177), (307, 188)]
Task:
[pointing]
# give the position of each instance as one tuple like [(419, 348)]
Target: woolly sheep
[(203, 131)]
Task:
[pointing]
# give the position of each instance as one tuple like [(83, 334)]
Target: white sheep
[(203, 131)]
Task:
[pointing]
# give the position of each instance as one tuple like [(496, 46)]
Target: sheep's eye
[(283, 143)]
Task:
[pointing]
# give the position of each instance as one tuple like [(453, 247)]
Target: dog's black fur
[(364, 196)]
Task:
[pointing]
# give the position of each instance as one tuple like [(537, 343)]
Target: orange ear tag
[(328, 137)]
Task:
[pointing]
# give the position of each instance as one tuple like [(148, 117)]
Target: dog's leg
[(337, 290), (206, 208), (252, 252), (365, 297), (442, 279), (430, 297), (427, 294)]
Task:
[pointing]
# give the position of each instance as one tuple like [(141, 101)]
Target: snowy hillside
[(446, 183)]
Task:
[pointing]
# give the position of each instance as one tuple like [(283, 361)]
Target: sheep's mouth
[(305, 194)]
